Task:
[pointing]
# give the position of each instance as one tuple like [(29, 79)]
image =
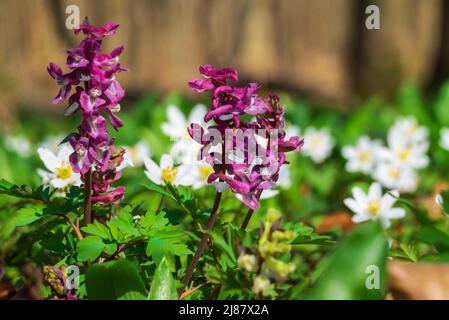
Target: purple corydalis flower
[(76, 58), (101, 151), (66, 81), (114, 196), (81, 160), (108, 60), (108, 29), (255, 165)]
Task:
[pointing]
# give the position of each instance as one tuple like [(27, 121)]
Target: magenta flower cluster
[(247, 123), (96, 94)]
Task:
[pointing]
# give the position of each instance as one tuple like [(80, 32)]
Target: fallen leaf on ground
[(418, 281), (341, 220)]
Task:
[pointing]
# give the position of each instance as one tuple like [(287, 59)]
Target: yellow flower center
[(364, 156), (64, 171), (315, 142), (134, 154), (413, 129), (169, 174), (205, 171), (374, 207), (394, 173), (404, 154)]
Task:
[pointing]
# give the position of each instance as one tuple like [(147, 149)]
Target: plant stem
[(200, 249), (74, 227), (192, 290), (87, 198), (161, 202), (250, 213)]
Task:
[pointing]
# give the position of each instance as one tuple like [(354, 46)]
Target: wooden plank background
[(318, 48)]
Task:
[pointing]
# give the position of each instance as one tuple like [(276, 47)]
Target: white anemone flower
[(135, 155), (200, 172), (18, 144), (363, 156), (374, 205), (184, 149), (444, 138), (392, 176), (60, 174), (167, 172), (403, 154), (408, 129), (176, 126), (318, 144)]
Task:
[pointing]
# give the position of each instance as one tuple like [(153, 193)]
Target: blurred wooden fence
[(317, 47)]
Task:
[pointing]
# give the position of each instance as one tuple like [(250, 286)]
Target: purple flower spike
[(97, 94), (260, 143)]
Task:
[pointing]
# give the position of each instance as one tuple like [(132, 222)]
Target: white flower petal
[(396, 213), (166, 161), (152, 168), (197, 114), (354, 206), (375, 191), (48, 158)]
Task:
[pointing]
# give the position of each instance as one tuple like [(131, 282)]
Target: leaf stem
[(74, 227), (192, 290), (200, 249)]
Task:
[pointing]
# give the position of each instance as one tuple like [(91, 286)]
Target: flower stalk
[(88, 198), (200, 249)]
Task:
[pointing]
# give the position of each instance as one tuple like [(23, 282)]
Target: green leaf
[(433, 236), (28, 215), (161, 246), (97, 229), (305, 235), (313, 239), (348, 273), (223, 245), (154, 187), (125, 223), (405, 251), (90, 248), (26, 192), (115, 280), (163, 285)]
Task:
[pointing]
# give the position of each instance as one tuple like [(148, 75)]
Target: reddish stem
[(87, 198), (200, 249)]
